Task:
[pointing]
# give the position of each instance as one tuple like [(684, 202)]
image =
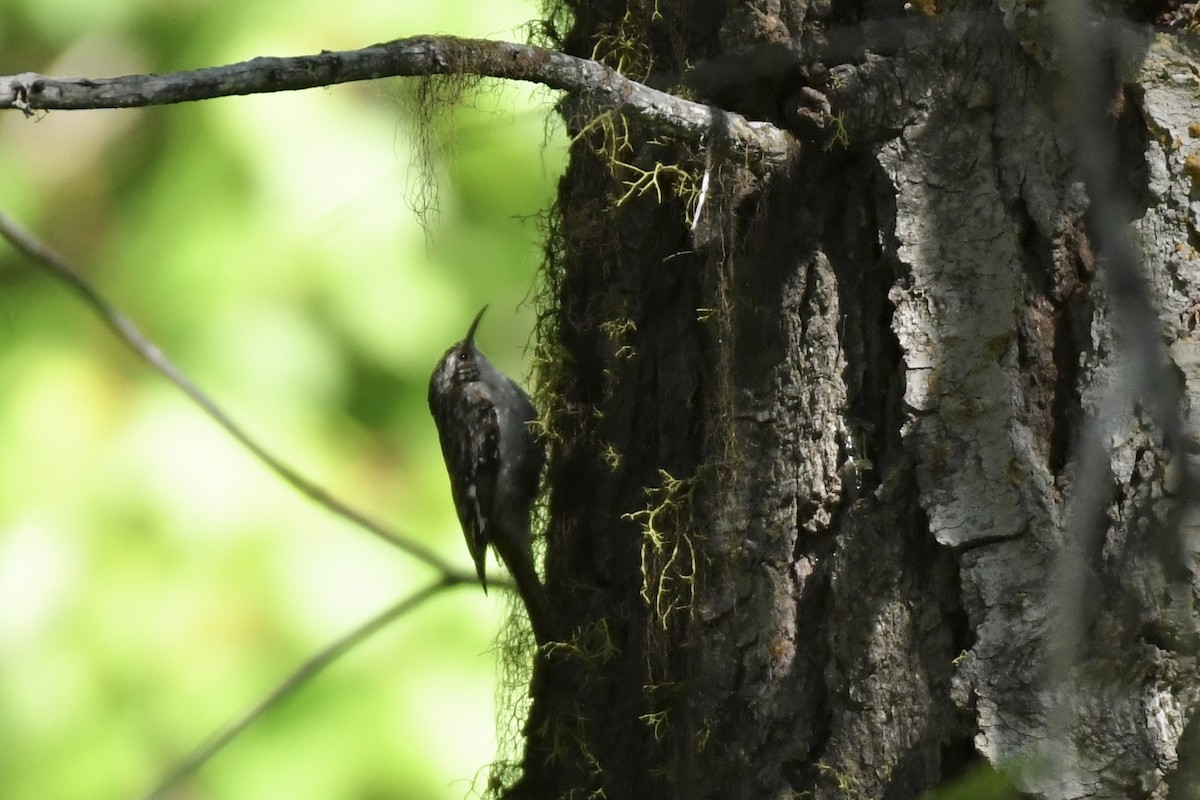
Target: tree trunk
[(813, 451)]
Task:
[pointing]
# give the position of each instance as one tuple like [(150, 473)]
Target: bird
[(494, 458)]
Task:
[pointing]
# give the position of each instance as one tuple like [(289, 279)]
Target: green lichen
[(668, 556)]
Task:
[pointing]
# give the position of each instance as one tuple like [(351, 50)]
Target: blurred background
[(155, 579)]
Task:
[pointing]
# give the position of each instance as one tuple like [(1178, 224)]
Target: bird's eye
[(462, 356)]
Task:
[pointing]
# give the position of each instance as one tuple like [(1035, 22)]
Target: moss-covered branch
[(764, 146)]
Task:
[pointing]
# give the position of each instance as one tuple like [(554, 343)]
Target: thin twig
[(761, 144), (209, 748), (124, 328), (1141, 377)]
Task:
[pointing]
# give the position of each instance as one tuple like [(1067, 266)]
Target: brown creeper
[(494, 459)]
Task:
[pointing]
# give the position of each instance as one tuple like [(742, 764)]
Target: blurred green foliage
[(155, 580), (978, 782)]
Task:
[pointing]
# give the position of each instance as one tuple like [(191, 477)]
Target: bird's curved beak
[(470, 337)]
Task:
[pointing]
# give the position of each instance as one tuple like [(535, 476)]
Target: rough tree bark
[(813, 452)]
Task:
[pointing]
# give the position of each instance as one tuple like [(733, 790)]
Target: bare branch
[(764, 146), (309, 669), (124, 328)]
